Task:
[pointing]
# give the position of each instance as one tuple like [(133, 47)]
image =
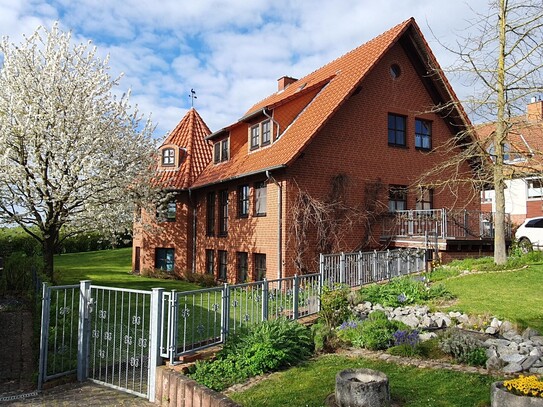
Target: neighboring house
[(524, 146), (343, 143)]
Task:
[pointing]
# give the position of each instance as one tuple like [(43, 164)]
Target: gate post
[(83, 331), (225, 312), (265, 296), (44, 336), (155, 330), (342, 268)]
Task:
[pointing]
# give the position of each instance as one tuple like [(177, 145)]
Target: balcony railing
[(443, 223)]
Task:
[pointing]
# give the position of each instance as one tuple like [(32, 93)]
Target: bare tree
[(503, 61), (73, 157)]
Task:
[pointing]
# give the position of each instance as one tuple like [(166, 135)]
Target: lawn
[(513, 295), (310, 384), (109, 268)]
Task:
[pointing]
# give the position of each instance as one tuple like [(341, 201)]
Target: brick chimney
[(535, 110), (284, 81)]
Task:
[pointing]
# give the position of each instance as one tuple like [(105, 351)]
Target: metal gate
[(104, 334)]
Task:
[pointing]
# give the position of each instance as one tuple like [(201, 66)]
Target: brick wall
[(177, 390)]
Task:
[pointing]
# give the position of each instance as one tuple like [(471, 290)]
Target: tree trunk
[(500, 255), (49, 245)]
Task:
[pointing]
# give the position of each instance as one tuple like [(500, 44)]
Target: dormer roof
[(192, 152)]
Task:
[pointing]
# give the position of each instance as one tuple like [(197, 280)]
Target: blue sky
[(231, 52)]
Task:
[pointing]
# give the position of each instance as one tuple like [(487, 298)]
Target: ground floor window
[(243, 266), (223, 265), (210, 262), (260, 266), (164, 259)]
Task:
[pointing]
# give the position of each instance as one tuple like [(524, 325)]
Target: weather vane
[(192, 96)]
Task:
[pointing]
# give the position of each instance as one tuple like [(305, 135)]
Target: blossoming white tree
[(73, 156)]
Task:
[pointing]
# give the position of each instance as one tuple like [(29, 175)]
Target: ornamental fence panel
[(116, 336)]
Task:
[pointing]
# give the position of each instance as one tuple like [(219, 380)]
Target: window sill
[(398, 146), (243, 216), (425, 150), (259, 215)]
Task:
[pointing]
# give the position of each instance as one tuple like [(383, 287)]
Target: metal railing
[(358, 269), (443, 223), (116, 336)]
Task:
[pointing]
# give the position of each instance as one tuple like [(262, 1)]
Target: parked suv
[(530, 234)]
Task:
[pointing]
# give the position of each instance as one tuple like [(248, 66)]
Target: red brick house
[(352, 136), (524, 191)]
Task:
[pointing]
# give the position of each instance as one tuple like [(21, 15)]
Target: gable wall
[(355, 143)]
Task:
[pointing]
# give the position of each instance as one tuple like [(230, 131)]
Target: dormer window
[(221, 151), (255, 136), (168, 157), (260, 134)]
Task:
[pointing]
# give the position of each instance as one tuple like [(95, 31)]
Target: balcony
[(442, 224)]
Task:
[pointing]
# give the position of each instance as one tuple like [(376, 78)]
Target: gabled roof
[(194, 155), (332, 84), (524, 143)]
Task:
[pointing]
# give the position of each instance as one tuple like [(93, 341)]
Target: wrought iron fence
[(357, 269), (115, 336)]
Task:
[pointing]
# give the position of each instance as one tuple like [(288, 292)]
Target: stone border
[(175, 389)]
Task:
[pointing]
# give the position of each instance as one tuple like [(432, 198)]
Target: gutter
[(248, 174)]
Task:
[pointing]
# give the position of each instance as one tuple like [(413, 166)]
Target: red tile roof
[(332, 84), (195, 152)]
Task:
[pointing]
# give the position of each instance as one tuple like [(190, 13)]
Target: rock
[(409, 320), (529, 332), (495, 323), (509, 335), (491, 330), (513, 358), (535, 352), (491, 353), (512, 368), (537, 340), (537, 370), (463, 319), (425, 321), (455, 314), (528, 362), (496, 342), (442, 321), (494, 363), (506, 326)]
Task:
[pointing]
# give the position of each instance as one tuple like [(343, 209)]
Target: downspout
[(279, 225), (193, 232), (276, 123)]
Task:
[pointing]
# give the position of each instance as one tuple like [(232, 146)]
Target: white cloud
[(231, 52)]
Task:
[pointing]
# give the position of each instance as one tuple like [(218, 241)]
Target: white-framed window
[(535, 188), (221, 151), (260, 134), (168, 157), (487, 196)]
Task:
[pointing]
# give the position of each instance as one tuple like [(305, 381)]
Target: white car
[(530, 234)]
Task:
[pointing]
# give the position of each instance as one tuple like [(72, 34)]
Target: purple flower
[(402, 297)]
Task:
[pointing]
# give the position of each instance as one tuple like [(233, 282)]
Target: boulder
[(512, 368)]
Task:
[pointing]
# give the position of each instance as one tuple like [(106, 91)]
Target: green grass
[(310, 384), (512, 295), (109, 268)]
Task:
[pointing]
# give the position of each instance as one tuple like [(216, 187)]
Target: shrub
[(403, 291), (325, 339), (268, 346), (203, 280), (19, 272), (335, 305), (463, 347), (374, 334)]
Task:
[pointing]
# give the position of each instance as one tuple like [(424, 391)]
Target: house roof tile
[(195, 153), (332, 84)]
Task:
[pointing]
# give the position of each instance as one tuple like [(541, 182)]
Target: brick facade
[(343, 139)]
